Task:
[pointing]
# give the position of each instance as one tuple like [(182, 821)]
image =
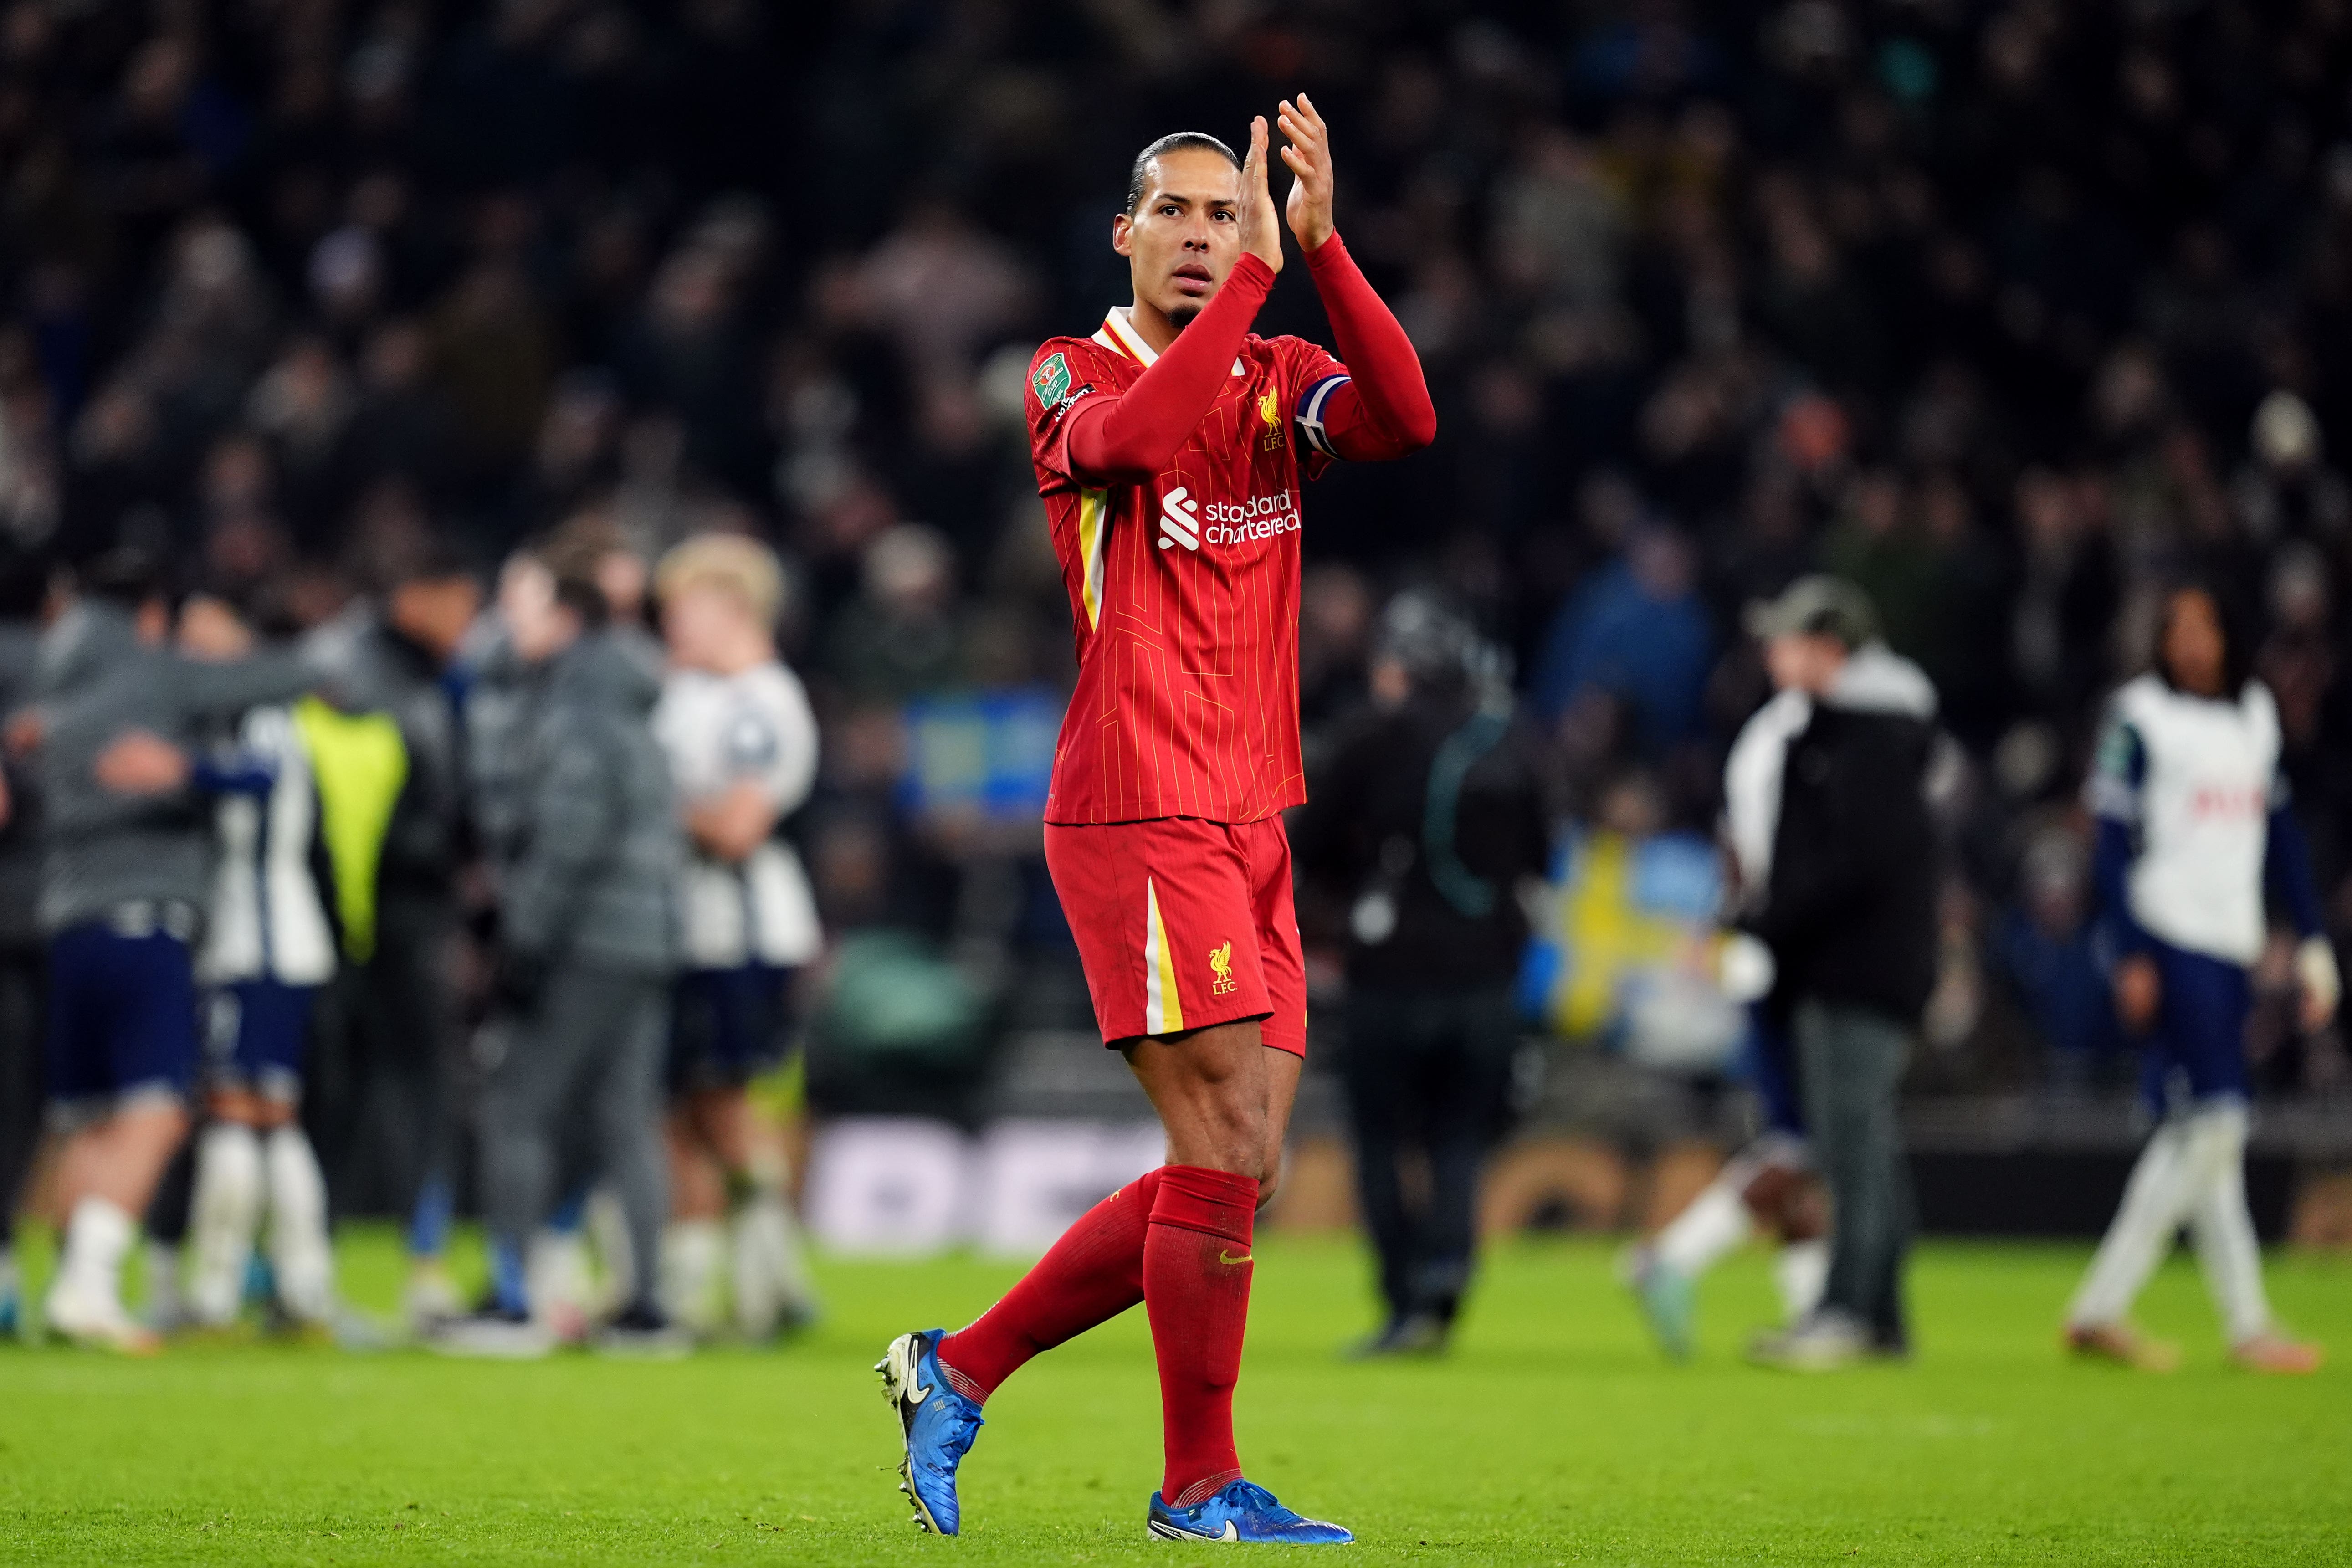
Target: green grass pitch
[(1553, 1434)]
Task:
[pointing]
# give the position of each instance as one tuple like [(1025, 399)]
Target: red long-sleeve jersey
[(1173, 485)]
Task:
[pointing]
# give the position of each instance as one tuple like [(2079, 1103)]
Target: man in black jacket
[(1846, 903), (1422, 824)]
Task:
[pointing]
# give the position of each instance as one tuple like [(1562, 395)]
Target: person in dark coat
[(1425, 820), (1847, 907)]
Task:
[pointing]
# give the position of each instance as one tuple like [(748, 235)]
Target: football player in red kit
[(1170, 447)]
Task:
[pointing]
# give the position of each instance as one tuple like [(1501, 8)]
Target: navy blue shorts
[(122, 1012), (726, 1025), (1772, 1071), (257, 1033), (2196, 1051)]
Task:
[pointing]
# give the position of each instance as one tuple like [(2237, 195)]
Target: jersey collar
[(1118, 334)]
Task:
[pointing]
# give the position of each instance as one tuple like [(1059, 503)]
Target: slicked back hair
[(1170, 142)]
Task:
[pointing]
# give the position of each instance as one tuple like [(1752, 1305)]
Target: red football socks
[(1093, 1273), (1178, 1239), (1196, 1281)]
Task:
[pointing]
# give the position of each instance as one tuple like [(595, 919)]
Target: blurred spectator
[(2045, 950), (901, 635), (1636, 634), (1621, 952), (588, 944), (1424, 822), (1815, 285), (1847, 905)]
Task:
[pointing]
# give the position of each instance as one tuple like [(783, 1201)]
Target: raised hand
[(1261, 234), (1310, 157)]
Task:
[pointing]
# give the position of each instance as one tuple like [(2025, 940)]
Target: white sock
[(608, 1229), (557, 1273), (1712, 1224), (2220, 1224), (2155, 1203), (224, 1216), (97, 1237), (692, 1251), (771, 1267), (299, 1250), (1802, 1271)]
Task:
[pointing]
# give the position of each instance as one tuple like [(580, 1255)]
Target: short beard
[(1183, 314)]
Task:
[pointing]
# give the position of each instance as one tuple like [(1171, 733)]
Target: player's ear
[(1122, 233)]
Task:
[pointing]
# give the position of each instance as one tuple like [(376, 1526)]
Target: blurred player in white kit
[(742, 745), (267, 950), (2195, 836)]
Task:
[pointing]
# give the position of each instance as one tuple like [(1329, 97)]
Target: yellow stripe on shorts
[(1163, 1010)]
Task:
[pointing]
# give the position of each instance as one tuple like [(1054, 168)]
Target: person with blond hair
[(742, 747)]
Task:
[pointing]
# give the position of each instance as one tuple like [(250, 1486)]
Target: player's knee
[(1241, 1138)]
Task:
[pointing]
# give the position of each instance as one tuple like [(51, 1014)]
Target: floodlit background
[(2004, 310), (2008, 310)]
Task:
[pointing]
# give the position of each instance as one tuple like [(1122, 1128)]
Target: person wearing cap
[(1838, 865), (1429, 813)]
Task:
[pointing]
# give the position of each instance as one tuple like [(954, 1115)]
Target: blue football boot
[(1242, 1511), (939, 1425)]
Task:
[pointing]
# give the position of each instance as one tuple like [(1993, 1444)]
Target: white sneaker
[(98, 1321), (430, 1298), (493, 1335), (1825, 1342), (639, 1334)]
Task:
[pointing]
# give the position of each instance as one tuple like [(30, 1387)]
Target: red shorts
[(1183, 923)]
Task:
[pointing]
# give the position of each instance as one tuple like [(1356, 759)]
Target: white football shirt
[(2196, 778), (720, 729)]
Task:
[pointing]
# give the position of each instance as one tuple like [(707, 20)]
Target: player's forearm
[(2111, 860), (1130, 438), (1385, 411), (729, 826)]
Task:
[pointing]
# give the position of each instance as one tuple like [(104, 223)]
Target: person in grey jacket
[(506, 659), (589, 941), (126, 871)]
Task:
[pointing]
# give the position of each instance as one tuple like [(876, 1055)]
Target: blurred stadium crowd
[(2006, 311)]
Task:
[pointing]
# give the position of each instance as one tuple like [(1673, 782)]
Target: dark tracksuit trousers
[(1851, 1060), (1427, 1070)]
